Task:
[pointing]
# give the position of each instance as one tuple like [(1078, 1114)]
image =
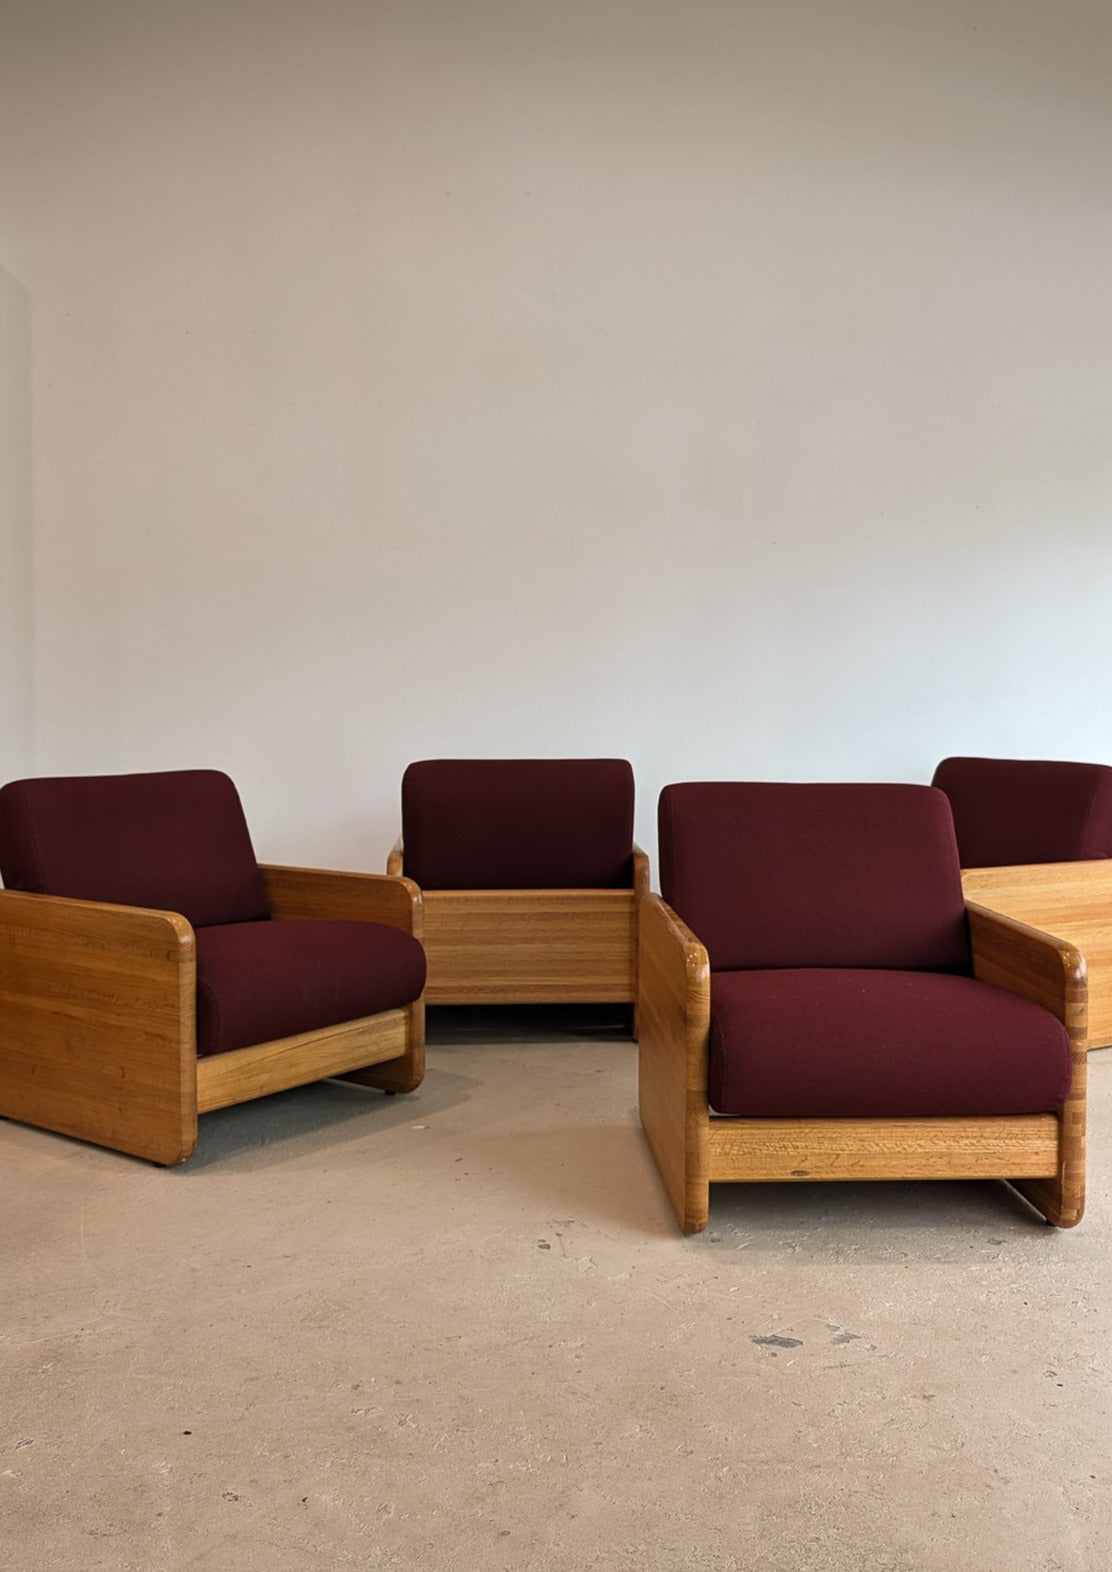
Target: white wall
[(15, 529), (723, 385)]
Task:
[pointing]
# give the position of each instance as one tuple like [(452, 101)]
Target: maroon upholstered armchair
[(1035, 841), (529, 875), (1027, 810), (152, 970), (818, 1002)]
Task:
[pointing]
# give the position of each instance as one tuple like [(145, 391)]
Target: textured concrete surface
[(459, 1330)]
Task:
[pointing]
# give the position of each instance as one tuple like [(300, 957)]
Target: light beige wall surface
[(723, 385), (15, 529)]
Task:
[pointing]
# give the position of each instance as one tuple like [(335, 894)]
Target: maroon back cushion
[(1027, 810), (771, 875), (176, 840), (504, 824)]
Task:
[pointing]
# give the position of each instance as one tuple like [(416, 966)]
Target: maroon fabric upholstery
[(771, 875), (889, 1044), (1027, 810), (174, 840), (500, 824), (259, 981)]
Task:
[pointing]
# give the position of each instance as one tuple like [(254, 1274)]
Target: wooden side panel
[(641, 888), (674, 1017), (1052, 972), (316, 894), (97, 1023), (1072, 900), (245, 1073), (530, 946), (808, 1149), (1068, 891), (395, 861)]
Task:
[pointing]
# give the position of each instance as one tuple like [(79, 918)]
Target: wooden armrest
[(671, 944), (92, 958), (673, 1002), (97, 1035), (1027, 961), (1051, 972), (96, 927), (674, 986), (395, 862), (317, 894)]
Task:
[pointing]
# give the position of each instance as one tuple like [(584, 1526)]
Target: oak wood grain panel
[(406, 1072), (97, 1023), (1052, 972), (1072, 900), (846, 1149), (641, 888), (318, 894), (1059, 889), (1040, 966), (530, 946), (1061, 1200), (674, 1019), (245, 1073)]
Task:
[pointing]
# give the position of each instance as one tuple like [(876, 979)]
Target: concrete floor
[(460, 1330)]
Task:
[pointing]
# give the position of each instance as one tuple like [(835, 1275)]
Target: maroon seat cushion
[(175, 840), (508, 824), (771, 875), (258, 981), (889, 1044), (1028, 810)]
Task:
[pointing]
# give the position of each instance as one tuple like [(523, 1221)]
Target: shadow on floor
[(518, 1023), (287, 1125)]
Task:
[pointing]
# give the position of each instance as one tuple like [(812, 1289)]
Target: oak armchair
[(151, 970), (1035, 842), (817, 1001), (530, 878)]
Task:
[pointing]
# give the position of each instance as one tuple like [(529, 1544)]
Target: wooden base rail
[(245, 1073), (783, 1150)]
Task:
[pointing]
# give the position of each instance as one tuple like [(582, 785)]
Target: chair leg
[(407, 1071), (1061, 1200), (1061, 1204), (676, 1126)]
